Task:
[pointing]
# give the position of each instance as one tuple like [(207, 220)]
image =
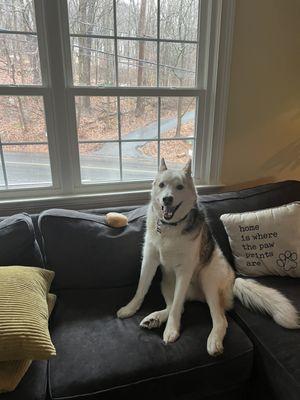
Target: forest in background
[(91, 25)]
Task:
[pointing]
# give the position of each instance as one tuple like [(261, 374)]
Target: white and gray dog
[(193, 267)]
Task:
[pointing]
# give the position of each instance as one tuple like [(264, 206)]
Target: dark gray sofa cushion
[(100, 356), (33, 385), (257, 198), (86, 253), (278, 348), (18, 245)]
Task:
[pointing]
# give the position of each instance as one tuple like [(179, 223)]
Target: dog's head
[(173, 192)]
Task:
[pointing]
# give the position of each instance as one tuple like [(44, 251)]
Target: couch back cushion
[(18, 245), (257, 198), (86, 253)]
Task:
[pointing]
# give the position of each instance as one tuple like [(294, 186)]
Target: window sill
[(86, 201)]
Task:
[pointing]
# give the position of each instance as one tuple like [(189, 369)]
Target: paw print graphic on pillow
[(287, 260)]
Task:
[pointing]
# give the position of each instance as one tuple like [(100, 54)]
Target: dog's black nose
[(168, 200)]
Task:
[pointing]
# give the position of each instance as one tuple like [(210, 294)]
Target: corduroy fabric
[(24, 314), (11, 372)]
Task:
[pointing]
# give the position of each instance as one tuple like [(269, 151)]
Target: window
[(94, 92)]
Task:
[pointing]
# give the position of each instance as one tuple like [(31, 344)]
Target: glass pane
[(139, 160), (19, 60), (97, 118), (22, 119), (17, 15), (176, 152), (137, 18), (27, 165), (179, 19), (177, 64), (91, 17), (99, 162), (137, 62), (177, 117), (139, 117), (93, 61)]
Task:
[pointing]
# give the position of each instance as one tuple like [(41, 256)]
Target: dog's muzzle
[(169, 211)]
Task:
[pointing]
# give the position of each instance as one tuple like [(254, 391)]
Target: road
[(102, 165)]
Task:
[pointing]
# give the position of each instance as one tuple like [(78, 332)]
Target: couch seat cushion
[(278, 348), (100, 356)]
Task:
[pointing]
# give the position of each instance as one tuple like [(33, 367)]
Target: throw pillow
[(11, 372), (265, 242), (24, 313)]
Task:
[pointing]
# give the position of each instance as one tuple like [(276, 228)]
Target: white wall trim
[(86, 201), (222, 91), (220, 37)]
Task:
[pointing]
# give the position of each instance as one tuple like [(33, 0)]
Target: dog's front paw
[(214, 344), (171, 335), (127, 311)]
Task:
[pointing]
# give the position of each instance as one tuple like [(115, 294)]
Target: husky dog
[(193, 267)]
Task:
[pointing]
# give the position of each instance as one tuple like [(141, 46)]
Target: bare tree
[(141, 55)]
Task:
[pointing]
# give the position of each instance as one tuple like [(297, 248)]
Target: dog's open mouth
[(168, 211)]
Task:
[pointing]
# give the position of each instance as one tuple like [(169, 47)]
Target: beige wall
[(263, 121)]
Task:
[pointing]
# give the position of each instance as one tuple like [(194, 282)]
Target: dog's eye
[(179, 187), (161, 185)]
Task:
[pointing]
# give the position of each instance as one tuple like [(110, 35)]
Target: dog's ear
[(163, 166), (187, 169)]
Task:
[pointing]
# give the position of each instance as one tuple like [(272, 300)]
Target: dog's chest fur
[(175, 248), (188, 244)]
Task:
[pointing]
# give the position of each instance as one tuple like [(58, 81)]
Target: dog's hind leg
[(149, 266), (216, 280), (157, 318)]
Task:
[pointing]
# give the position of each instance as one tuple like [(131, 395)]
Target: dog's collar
[(162, 222)]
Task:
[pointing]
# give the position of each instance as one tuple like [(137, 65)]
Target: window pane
[(17, 15), (139, 160), (176, 152), (179, 19), (97, 118), (177, 64), (137, 18), (27, 166), (93, 61), (137, 61), (22, 119), (139, 117), (91, 17), (99, 162), (177, 117), (19, 60)]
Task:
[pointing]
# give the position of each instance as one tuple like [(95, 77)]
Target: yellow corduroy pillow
[(11, 372), (24, 332)]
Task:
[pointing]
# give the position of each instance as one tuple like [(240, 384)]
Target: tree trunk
[(140, 108), (86, 13)]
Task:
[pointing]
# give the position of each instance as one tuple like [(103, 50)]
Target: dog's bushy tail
[(267, 300)]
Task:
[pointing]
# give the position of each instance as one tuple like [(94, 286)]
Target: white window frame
[(214, 50)]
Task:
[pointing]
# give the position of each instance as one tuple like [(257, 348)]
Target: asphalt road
[(103, 165)]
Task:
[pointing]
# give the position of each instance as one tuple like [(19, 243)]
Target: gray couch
[(102, 357)]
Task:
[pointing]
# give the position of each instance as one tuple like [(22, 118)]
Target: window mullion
[(58, 99)]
